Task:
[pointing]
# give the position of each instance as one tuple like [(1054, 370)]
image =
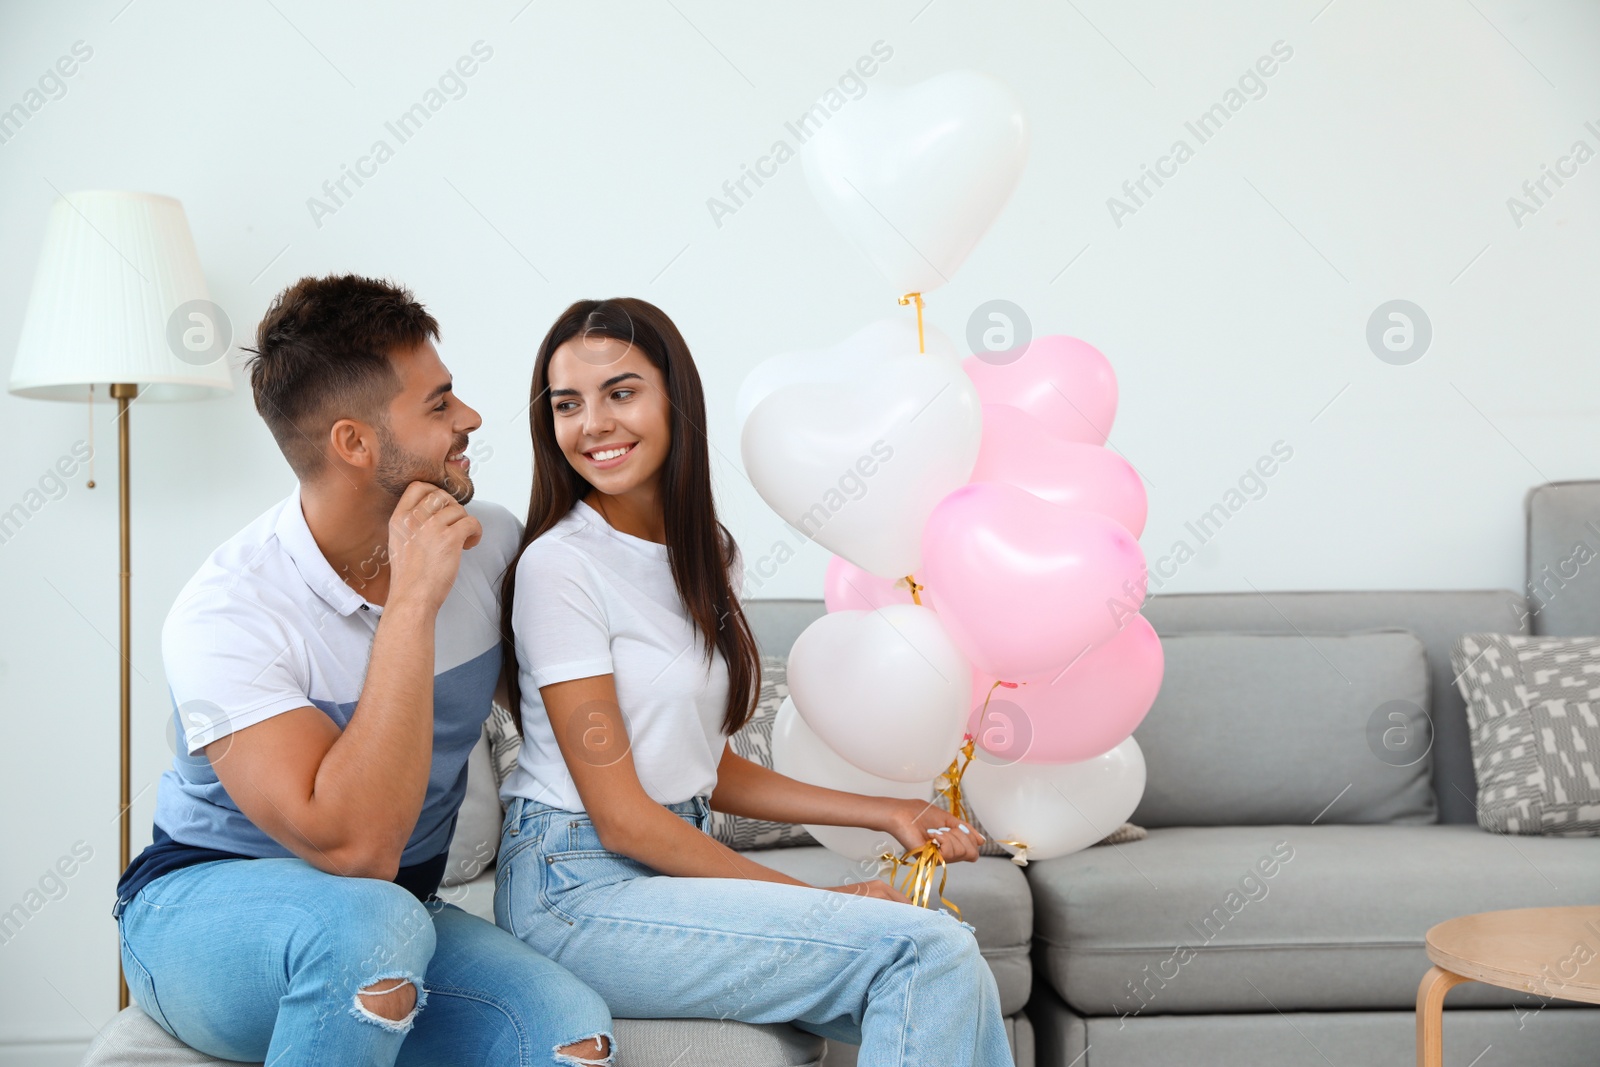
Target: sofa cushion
[(1535, 731), (992, 894), (1256, 728), (475, 897), (132, 1039), (477, 834), (1436, 616), (1318, 918)]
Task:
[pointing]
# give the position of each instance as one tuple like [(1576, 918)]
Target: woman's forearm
[(757, 792), (666, 843)]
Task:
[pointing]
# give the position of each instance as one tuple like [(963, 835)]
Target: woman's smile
[(606, 457)]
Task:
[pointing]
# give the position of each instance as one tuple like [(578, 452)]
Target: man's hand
[(916, 822), (427, 534)]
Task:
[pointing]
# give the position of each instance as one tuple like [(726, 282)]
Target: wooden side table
[(1549, 952)]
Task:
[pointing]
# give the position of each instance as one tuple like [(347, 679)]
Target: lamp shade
[(118, 297)]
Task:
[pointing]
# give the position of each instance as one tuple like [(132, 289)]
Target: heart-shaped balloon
[(1025, 585), (915, 176), (1063, 382), (857, 462), (1062, 716), (800, 754), (1056, 808), (846, 587), (894, 336), (885, 689), (1019, 450)]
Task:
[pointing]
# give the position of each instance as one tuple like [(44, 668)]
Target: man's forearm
[(373, 780)]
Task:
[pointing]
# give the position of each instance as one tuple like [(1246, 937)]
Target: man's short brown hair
[(322, 354)]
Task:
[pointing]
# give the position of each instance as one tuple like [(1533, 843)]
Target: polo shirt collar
[(295, 537)]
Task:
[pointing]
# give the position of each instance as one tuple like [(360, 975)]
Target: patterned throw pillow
[(1533, 706), (754, 743), (504, 743)]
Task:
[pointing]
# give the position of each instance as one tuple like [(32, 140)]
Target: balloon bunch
[(982, 639)]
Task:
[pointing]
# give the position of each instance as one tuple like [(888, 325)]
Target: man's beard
[(398, 468)]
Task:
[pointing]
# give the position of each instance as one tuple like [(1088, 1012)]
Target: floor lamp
[(119, 308)]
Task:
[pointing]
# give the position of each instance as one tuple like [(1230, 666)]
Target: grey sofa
[(1323, 968), (1324, 727)]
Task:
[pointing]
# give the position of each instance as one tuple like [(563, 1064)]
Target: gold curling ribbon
[(918, 865), (917, 298), (915, 587), (1020, 856)]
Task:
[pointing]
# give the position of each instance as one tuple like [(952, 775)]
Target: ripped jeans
[(261, 960), (906, 984)]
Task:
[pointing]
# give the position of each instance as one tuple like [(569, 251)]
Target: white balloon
[(801, 754), (856, 454), (887, 689), (1056, 808), (895, 336), (915, 176)]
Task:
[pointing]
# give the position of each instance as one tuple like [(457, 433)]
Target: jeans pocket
[(567, 879), (519, 899), (141, 986)]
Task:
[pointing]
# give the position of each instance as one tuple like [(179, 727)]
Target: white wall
[(1233, 304)]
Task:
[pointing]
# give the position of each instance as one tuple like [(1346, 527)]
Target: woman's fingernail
[(964, 829)]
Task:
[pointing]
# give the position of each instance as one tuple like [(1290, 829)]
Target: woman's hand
[(872, 887), (916, 822)]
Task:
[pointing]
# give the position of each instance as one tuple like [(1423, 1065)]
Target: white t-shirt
[(591, 600)]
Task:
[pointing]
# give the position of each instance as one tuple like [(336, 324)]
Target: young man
[(331, 667)]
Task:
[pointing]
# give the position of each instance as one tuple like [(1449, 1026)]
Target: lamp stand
[(123, 393)]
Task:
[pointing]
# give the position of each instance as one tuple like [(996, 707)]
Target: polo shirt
[(267, 626)]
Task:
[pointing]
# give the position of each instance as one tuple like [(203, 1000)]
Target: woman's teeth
[(609, 453)]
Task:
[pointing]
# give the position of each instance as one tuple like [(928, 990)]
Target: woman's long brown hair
[(699, 548)]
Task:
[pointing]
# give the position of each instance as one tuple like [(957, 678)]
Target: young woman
[(630, 664)]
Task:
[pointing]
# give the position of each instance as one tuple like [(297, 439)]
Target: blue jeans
[(905, 983), (261, 959)]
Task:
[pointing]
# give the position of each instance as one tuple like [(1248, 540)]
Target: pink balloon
[(1063, 382), (1077, 714), (846, 587), (1019, 450), (1025, 585)]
